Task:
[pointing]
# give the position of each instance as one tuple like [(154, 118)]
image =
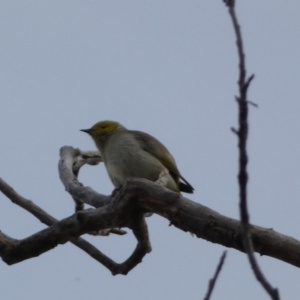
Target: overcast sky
[(168, 68)]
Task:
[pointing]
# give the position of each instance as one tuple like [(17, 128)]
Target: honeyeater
[(130, 153)]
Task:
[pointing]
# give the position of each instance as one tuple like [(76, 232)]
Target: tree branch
[(13, 251), (126, 209), (213, 281), (47, 219), (242, 134)]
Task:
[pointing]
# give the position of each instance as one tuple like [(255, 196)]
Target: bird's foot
[(115, 192)]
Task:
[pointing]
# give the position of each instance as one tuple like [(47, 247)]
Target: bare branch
[(190, 216), (69, 165), (47, 219), (243, 84), (234, 130), (252, 103), (126, 209), (141, 195), (213, 281), (13, 251)]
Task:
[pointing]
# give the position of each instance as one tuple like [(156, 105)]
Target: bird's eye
[(103, 126)]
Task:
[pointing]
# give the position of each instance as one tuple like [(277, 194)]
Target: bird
[(135, 154)]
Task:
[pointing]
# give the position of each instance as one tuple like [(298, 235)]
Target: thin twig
[(212, 282), (243, 84)]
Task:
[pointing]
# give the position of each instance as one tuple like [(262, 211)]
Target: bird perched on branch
[(129, 153)]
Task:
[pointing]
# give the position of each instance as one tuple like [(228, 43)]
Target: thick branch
[(47, 219), (141, 194), (191, 216), (125, 209), (13, 251)]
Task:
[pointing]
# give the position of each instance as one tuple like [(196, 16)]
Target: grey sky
[(168, 68)]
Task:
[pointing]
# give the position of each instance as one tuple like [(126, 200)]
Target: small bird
[(130, 153)]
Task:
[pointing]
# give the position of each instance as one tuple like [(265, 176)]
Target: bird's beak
[(86, 130)]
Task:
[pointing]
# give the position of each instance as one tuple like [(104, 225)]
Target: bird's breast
[(124, 159)]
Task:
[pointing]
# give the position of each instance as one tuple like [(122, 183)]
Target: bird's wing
[(153, 146)]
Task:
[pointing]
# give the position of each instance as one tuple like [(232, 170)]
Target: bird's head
[(102, 129)]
